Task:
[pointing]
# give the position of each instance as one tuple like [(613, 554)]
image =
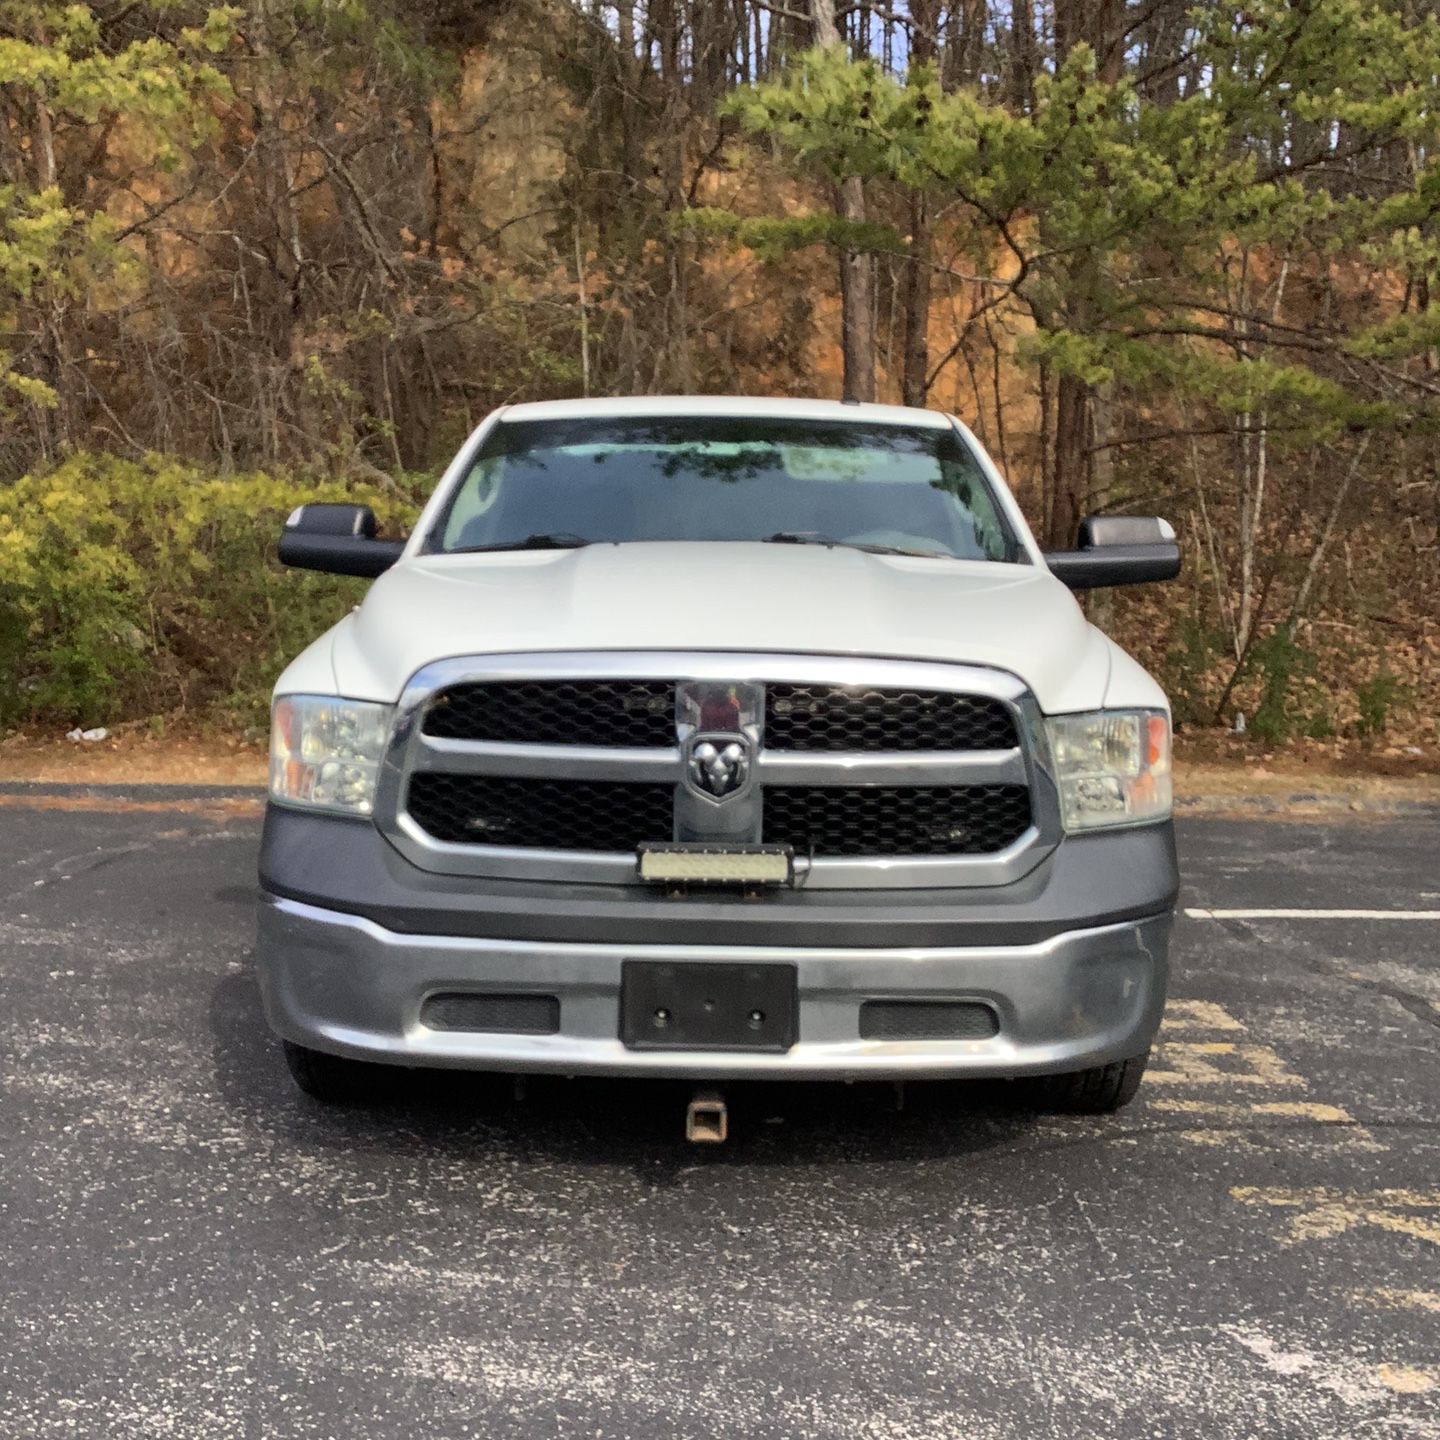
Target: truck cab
[(720, 738)]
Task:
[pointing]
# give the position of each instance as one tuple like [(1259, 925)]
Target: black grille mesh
[(615, 713), (896, 820), (630, 713), (830, 717), (927, 1020), (507, 1014), (551, 814)]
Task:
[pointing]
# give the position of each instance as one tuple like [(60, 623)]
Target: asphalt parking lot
[(190, 1248)]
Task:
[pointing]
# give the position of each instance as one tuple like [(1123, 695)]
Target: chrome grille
[(849, 717), (878, 772), (896, 820)]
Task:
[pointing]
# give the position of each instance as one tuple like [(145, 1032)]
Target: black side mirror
[(1118, 550), (338, 539)]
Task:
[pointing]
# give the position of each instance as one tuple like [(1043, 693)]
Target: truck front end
[(610, 840)]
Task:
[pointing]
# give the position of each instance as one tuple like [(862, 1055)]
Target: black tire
[(334, 1080), (1101, 1091)]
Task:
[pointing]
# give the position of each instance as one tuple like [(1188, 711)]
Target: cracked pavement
[(188, 1247)]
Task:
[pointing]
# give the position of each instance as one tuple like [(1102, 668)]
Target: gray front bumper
[(340, 982)]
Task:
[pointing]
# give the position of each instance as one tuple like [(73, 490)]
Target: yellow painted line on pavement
[(1198, 1015), (1322, 1214), (1385, 1298), (1214, 1067), (1238, 1116), (1221, 1062), (1406, 1379), (1291, 1109)]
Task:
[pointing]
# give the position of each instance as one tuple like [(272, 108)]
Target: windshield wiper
[(814, 537), (559, 540)]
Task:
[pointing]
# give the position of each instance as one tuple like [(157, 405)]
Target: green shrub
[(134, 588), (1284, 665), (1376, 699)]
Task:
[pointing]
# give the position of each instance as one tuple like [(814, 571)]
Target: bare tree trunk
[(51, 426), (628, 67), (1162, 36), (1256, 454), (287, 257), (1024, 64), (914, 380), (1322, 544), (44, 144), (857, 320), (915, 372), (1098, 24), (1253, 451), (584, 313), (1071, 484), (1100, 604), (1212, 551), (666, 18), (964, 42), (1047, 457)]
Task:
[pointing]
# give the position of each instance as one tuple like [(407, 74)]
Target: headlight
[(1113, 767), (325, 753)]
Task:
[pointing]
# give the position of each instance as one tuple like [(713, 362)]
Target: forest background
[(1163, 258)]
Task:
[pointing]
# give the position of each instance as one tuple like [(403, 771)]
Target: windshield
[(573, 482)]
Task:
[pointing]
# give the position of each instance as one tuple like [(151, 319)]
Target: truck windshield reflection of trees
[(890, 488)]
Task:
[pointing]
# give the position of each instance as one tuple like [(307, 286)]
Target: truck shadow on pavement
[(602, 1121)]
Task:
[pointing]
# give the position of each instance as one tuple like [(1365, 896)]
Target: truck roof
[(730, 406)]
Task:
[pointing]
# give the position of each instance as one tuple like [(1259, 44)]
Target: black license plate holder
[(693, 1005)]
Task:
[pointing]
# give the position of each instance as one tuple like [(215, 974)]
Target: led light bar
[(700, 864)]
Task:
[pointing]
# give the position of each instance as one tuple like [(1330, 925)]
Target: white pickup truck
[(720, 738)]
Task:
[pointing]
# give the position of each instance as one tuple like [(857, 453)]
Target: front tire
[(1099, 1091), (334, 1080)]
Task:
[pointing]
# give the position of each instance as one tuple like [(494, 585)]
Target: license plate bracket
[(692, 1005)]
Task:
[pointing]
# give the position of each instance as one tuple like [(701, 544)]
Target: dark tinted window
[(707, 478)]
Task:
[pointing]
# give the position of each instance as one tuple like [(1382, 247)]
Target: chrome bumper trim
[(340, 983)]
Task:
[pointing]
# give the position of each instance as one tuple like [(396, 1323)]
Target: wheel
[(334, 1079), (1100, 1091)]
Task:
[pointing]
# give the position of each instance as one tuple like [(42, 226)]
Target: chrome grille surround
[(412, 751)]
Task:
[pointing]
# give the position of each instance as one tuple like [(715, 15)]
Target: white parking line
[(1197, 914)]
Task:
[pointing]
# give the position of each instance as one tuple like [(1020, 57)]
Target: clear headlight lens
[(325, 753), (1113, 766)]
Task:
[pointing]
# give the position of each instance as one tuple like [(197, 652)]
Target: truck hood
[(730, 596)]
